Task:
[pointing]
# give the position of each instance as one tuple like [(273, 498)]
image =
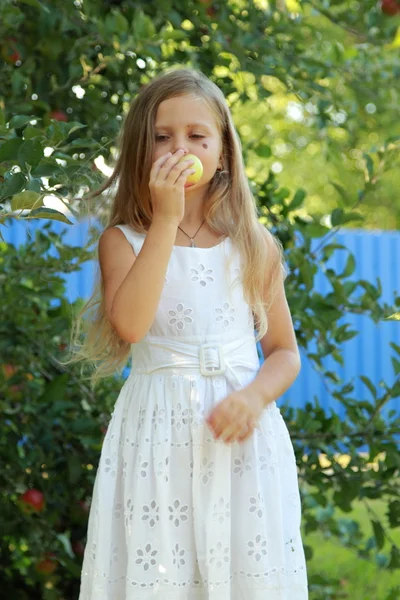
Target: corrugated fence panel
[(369, 353)]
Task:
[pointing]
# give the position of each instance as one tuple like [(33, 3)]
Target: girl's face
[(186, 122)]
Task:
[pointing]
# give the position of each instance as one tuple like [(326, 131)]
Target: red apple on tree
[(390, 7), (47, 565), (58, 115), (32, 501), (10, 51), (78, 548), (85, 506)]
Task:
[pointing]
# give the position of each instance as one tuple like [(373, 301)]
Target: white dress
[(175, 514)]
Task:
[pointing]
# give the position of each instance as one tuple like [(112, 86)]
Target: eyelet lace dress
[(175, 514)]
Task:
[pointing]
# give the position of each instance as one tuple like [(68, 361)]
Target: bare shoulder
[(113, 246), (116, 258)]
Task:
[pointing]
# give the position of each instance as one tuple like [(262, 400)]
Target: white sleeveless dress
[(175, 514)]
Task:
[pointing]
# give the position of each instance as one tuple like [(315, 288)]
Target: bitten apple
[(194, 177)]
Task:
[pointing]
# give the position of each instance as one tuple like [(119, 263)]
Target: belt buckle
[(203, 368)]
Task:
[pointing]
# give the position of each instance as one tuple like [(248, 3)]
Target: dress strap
[(134, 238)]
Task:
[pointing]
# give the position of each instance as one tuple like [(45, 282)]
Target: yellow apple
[(194, 177)]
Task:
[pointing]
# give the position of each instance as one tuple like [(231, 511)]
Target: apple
[(9, 370), (47, 565), (78, 548), (10, 52), (390, 7), (194, 177), (85, 506), (58, 115), (32, 501)]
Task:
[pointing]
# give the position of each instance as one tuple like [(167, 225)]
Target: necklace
[(192, 244)]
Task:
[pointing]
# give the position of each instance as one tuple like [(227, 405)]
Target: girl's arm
[(281, 353), (133, 285)]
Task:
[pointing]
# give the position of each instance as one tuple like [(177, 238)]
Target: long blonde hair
[(230, 209)]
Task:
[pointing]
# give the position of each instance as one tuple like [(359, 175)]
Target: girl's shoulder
[(135, 238)]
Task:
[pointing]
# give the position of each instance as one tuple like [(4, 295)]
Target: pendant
[(192, 244)]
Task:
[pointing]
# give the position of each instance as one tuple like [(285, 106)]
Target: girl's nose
[(185, 150)]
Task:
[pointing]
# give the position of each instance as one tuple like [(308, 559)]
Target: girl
[(196, 494)]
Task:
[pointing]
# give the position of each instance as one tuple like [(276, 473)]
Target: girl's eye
[(162, 138)]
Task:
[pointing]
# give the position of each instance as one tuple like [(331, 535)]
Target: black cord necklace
[(192, 244)]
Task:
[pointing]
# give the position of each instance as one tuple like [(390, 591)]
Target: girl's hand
[(167, 181), (236, 417)]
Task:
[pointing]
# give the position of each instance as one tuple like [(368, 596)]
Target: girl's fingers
[(165, 164), (176, 170), (182, 177), (160, 162)]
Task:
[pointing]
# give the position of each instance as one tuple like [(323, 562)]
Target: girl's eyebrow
[(198, 124)]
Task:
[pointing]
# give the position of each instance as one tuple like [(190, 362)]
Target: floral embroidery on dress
[(202, 275), (219, 555), (178, 556), (178, 512), (258, 548), (180, 316), (146, 557), (225, 314)]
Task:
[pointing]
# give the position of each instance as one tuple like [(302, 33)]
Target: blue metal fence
[(369, 353)]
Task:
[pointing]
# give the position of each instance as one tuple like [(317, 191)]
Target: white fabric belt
[(155, 353)]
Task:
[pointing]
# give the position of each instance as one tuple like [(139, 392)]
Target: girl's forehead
[(185, 109)]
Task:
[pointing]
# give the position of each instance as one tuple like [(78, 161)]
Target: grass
[(360, 579)]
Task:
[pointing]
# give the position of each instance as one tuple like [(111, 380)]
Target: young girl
[(196, 494)]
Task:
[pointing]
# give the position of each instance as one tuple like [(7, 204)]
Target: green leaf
[(352, 216), (263, 150), (350, 266), (12, 186), (48, 213), (396, 365), (394, 317), (116, 23), (31, 152), (394, 558), (143, 27), (74, 126), (74, 468), (66, 542), (36, 4), (9, 150), (394, 513), (298, 199), (341, 191), (31, 132), (369, 165), (395, 347), (369, 385), (26, 200), (20, 120), (337, 217), (316, 230), (55, 389)]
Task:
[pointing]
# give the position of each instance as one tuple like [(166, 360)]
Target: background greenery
[(314, 90)]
